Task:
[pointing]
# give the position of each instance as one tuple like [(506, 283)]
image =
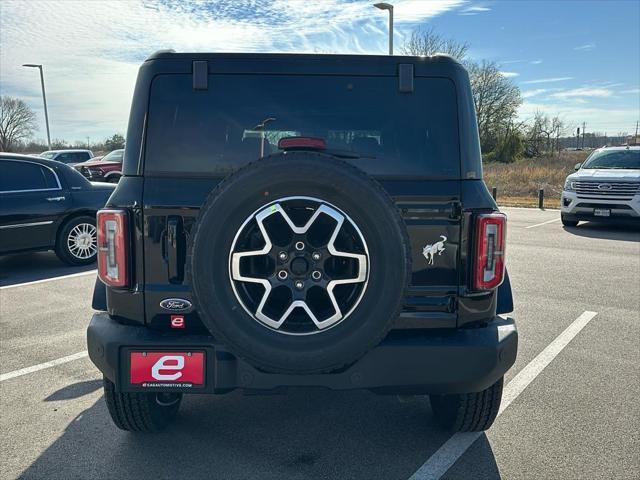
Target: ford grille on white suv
[(605, 186)]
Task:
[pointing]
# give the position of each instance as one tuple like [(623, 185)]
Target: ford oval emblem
[(604, 186), (175, 304)]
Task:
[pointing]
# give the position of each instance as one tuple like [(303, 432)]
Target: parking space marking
[(42, 366), (543, 223), (44, 280), (444, 458)]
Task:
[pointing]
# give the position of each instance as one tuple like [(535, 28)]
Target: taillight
[(491, 232), (112, 247)]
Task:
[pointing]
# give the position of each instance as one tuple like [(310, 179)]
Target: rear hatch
[(405, 138)]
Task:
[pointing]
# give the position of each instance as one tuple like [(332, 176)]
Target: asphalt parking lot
[(571, 406)]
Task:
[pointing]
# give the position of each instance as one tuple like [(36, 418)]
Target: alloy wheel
[(299, 265)]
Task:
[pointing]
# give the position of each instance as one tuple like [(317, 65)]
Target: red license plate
[(157, 369)]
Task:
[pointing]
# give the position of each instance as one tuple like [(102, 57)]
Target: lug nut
[(299, 285), (283, 256), (282, 275), (316, 275), (316, 256), (299, 246)]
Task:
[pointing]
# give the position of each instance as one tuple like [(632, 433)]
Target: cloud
[(632, 90), (474, 10), (91, 50), (547, 80), (535, 62), (600, 119), (509, 74), (533, 93), (583, 92), (586, 47)]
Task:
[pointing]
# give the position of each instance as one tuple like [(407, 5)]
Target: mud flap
[(505, 298)]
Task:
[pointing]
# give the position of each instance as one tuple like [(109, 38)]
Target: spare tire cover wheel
[(299, 263)]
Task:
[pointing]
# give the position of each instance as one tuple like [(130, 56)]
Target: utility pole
[(578, 139), (583, 135), (88, 143)]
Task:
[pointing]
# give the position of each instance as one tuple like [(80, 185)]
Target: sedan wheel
[(77, 242)]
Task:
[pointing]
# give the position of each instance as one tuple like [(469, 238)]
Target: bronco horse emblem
[(430, 251)]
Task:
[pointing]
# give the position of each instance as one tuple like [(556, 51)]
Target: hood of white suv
[(604, 174)]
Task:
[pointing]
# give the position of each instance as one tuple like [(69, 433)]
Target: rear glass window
[(220, 129)]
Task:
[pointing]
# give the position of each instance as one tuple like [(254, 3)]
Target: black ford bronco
[(301, 221)]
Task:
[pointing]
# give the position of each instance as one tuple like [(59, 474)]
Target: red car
[(105, 169)]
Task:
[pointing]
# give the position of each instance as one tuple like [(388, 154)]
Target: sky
[(576, 59)]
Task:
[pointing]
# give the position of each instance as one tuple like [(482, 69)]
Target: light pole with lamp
[(389, 7), (44, 99)]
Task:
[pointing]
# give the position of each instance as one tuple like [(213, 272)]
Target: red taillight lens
[(113, 247), (491, 232)]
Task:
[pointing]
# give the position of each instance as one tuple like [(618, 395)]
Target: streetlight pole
[(389, 8), (44, 99)]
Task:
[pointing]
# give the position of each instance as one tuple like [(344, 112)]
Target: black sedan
[(47, 205)]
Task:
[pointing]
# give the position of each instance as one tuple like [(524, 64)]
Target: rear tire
[(140, 412), (74, 252), (567, 222), (113, 179), (468, 412)]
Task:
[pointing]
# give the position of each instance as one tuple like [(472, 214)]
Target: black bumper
[(456, 361)]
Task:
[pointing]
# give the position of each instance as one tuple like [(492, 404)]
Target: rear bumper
[(456, 361)]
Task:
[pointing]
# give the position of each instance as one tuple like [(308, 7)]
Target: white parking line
[(543, 223), (42, 366), (444, 458), (44, 280)]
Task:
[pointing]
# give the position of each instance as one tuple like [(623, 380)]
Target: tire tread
[(469, 412), (134, 411)]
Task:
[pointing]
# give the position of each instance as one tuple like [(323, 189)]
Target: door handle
[(55, 199)]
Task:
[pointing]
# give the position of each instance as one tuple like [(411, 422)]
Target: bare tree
[(543, 135), (496, 100), (428, 42), (558, 127), (17, 122)]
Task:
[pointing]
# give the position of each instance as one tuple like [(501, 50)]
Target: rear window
[(218, 130)]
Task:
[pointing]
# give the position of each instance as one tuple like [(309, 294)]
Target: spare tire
[(299, 263)]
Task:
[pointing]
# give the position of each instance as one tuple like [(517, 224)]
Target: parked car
[(605, 187), (105, 169), (47, 205), (68, 156), (352, 244)]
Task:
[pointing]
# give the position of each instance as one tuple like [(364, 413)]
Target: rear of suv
[(605, 187), (301, 221)]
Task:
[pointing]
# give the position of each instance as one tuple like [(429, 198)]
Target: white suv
[(68, 156), (605, 186)]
